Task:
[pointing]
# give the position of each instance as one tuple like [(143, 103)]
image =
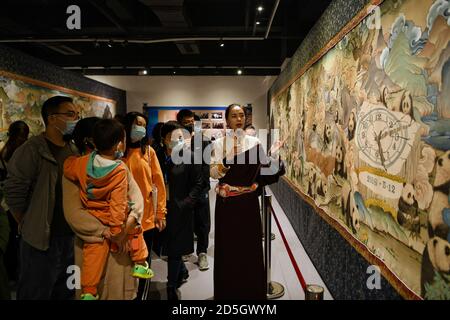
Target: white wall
[(195, 91)]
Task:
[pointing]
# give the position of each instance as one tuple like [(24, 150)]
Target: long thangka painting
[(367, 131), (21, 98)]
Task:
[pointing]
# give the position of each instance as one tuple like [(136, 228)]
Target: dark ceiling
[(125, 37)]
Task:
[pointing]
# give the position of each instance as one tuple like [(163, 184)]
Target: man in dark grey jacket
[(33, 192)]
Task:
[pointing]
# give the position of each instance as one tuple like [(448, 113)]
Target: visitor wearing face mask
[(103, 181), (33, 193), (185, 186), (116, 281), (202, 215), (186, 118), (143, 163)]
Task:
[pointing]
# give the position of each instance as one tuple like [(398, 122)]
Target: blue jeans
[(43, 274)]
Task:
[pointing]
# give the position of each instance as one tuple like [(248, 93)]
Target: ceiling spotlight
[(260, 8), (222, 44), (258, 23), (110, 44), (239, 72), (143, 72)]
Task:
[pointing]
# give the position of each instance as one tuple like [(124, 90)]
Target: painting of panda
[(400, 74)]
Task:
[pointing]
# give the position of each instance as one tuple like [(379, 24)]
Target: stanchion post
[(267, 244), (274, 290), (314, 292), (263, 206)]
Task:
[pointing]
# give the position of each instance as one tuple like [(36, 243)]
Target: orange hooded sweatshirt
[(103, 190), (147, 172)]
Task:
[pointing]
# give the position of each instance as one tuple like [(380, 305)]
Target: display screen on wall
[(212, 118), (21, 98), (368, 141)]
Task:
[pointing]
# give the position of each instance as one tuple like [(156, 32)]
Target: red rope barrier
[(289, 251)]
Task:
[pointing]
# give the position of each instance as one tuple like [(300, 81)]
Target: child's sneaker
[(142, 272), (88, 296)]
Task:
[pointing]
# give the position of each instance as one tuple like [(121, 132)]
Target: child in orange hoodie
[(103, 181)]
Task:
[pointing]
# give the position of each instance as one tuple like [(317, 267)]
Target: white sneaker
[(203, 262)]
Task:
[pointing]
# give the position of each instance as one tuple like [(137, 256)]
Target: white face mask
[(176, 144)]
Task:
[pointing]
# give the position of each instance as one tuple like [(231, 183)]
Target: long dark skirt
[(238, 260)]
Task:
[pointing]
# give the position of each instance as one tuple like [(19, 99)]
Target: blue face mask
[(70, 126), (137, 133), (118, 154)]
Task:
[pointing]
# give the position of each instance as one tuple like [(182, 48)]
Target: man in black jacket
[(202, 218)]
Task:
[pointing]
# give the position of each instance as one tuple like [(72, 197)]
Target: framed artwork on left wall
[(21, 98)]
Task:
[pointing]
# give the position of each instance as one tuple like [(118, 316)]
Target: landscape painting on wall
[(22, 98), (367, 130)]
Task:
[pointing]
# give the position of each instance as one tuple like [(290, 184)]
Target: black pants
[(202, 224), (5, 294), (12, 250), (175, 267), (152, 240), (43, 274)]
